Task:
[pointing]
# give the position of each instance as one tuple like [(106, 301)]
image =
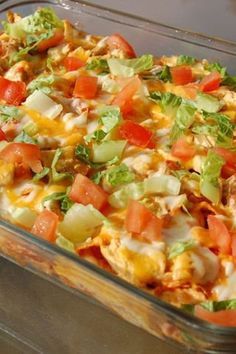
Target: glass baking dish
[(134, 305)]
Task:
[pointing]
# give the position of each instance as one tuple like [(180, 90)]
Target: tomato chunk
[(116, 41), (53, 41), (141, 221), (73, 63), (45, 225), (124, 98), (219, 234), (86, 192), (210, 82), (228, 156), (13, 92), (86, 87), (2, 135), (136, 134), (183, 150), (181, 75), (233, 244), (28, 155), (222, 318)]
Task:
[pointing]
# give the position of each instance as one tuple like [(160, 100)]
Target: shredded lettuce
[(42, 83), (24, 216), (43, 20), (31, 128), (230, 81), (185, 59), (120, 198), (108, 150), (209, 180), (168, 101), (80, 222), (8, 113), (164, 74), (164, 184), (99, 65), (109, 118), (225, 128), (212, 306), (207, 103), (84, 154), (184, 119), (43, 104), (217, 67), (38, 176), (180, 247), (130, 67), (65, 244), (23, 137), (56, 176), (118, 175), (65, 202)]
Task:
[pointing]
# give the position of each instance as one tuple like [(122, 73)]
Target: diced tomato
[(73, 63), (233, 244), (86, 192), (222, 318), (21, 153), (229, 167), (210, 82), (136, 134), (22, 172), (53, 41), (181, 74), (228, 156), (116, 41), (2, 135), (219, 234), (86, 87), (13, 92), (141, 221), (45, 225), (124, 98), (183, 150)]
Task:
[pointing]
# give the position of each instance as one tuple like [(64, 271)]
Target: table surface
[(54, 305)]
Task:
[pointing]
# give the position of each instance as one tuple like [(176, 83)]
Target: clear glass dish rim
[(168, 309)]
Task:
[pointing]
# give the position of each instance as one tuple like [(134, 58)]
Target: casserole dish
[(134, 305)]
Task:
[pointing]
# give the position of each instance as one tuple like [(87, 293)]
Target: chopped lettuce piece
[(8, 113), (216, 67), (109, 118), (80, 222), (65, 202), (209, 180), (168, 101), (118, 175), (38, 176), (56, 176), (184, 119), (43, 104), (24, 217), (214, 306), (108, 150), (207, 103), (130, 67), (41, 83), (180, 247), (185, 59), (65, 244), (164, 74), (230, 81), (99, 65), (30, 128), (23, 137), (224, 126), (120, 198), (43, 20), (164, 184)]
